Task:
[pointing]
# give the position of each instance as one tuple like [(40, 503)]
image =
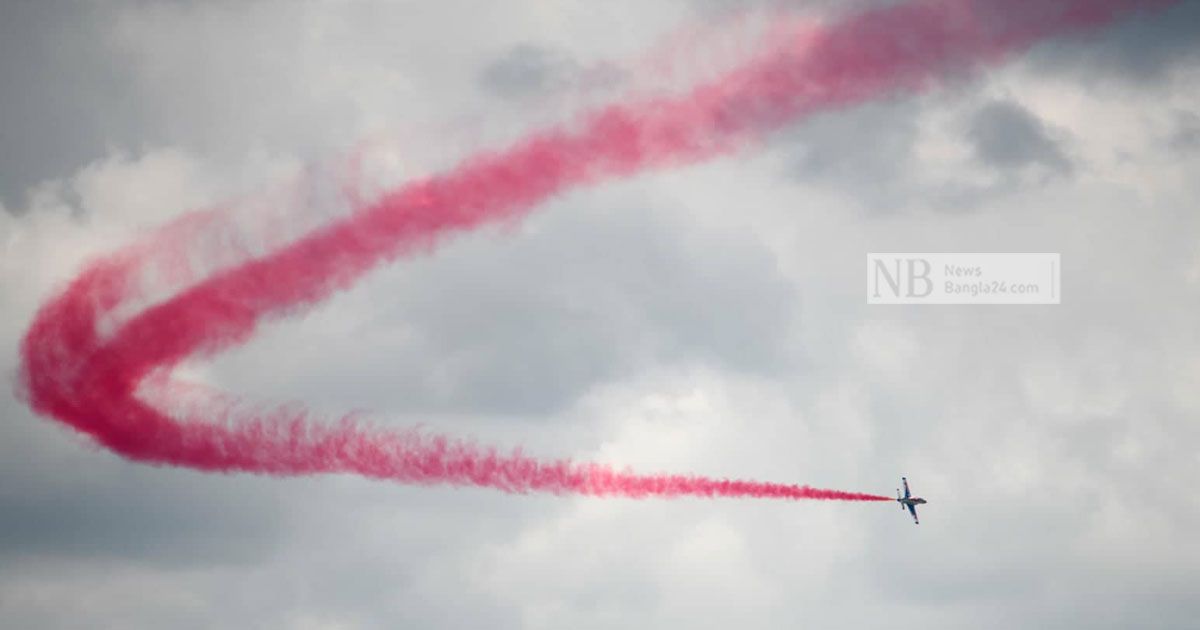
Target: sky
[(706, 319)]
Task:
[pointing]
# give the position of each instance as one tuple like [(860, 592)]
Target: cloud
[(1186, 136), (1006, 136), (136, 516), (527, 69), (942, 152), (1140, 51), (67, 93), (867, 150)]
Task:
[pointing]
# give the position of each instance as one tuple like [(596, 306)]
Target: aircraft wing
[(913, 509), (907, 494)]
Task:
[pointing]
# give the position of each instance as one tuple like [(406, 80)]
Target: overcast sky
[(709, 319)]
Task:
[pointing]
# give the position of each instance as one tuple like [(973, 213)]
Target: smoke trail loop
[(95, 367)]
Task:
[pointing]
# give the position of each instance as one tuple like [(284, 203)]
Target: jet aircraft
[(909, 501)]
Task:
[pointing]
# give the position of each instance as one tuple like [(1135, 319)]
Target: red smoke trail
[(89, 379)]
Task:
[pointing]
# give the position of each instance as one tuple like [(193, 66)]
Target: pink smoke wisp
[(88, 378)]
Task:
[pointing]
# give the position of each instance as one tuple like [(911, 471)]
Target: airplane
[(909, 501)]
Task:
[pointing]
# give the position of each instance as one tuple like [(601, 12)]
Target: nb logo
[(895, 277), (963, 278)]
